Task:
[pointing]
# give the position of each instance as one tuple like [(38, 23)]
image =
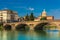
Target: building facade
[(8, 16), (43, 14)]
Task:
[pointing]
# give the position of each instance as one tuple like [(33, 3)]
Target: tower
[(43, 13)]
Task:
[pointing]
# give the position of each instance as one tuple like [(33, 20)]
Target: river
[(29, 35)]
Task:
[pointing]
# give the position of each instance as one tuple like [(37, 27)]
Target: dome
[(43, 13)]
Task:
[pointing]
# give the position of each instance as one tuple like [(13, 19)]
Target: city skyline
[(36, 6)]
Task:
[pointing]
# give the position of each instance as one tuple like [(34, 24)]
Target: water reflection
[(30, 35), (36, 35), (53, 35)]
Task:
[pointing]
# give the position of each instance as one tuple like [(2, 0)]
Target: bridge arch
[(22, 27), (7, 27), (40, 26)]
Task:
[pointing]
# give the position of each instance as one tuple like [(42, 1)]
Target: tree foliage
[(27, 18), (31, 17)]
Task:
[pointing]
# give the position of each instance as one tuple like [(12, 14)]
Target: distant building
[(24, 18), (8, 16), (50, 18), (36, 19), (21, 19), (44, 15)]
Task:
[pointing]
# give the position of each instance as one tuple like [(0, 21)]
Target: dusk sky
[(36, 6)]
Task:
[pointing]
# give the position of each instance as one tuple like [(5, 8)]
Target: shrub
[(43, 18)]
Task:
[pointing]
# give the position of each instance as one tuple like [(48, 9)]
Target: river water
[(29, 35)]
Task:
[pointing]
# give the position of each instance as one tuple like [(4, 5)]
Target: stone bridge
[(33, 24)]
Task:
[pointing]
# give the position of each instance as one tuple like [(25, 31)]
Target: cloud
[(55, 13), (26, 8), (31, 9)]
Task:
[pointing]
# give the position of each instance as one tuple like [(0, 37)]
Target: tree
[(27, 18), (31, 17), (43, 18)]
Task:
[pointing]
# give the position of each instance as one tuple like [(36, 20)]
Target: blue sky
[(36, 6)]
